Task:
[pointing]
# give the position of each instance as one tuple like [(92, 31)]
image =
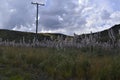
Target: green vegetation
[(22, 63), (16, 36)]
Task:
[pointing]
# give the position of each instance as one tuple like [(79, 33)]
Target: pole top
[(35, 3)]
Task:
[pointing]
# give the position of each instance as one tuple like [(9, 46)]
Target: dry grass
[(20, 63)]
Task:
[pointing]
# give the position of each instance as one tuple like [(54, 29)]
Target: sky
[(60, 16)]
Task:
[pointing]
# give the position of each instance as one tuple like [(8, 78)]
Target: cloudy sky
[(60, 16)]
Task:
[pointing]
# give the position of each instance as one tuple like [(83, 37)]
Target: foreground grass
[(17, 63)]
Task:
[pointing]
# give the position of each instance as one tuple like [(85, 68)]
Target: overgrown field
[(25, 63)]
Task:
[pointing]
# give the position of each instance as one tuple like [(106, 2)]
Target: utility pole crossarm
[(37, 3)]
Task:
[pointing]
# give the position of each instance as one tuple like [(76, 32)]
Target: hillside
[(104, 36), (11, 35)]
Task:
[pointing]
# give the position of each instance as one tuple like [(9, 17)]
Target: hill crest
[(11, 35)]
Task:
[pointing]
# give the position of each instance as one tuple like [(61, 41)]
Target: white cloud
[(116, 16)]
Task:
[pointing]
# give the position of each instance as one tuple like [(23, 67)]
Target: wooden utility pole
[(37, 8)]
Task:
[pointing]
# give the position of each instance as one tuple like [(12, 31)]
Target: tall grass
[(25, 63)]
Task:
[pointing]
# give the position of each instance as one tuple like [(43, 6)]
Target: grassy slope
[(17, 35), (17, 63), (104, 37)]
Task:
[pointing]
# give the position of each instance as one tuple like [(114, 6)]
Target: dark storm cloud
[(50, 22), (49, 17)]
